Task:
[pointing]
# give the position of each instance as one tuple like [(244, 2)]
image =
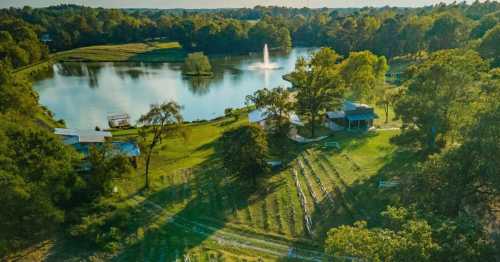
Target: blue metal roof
[(358, 117), (128, 149)]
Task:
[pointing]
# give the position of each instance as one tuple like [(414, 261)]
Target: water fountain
[(265, 65)]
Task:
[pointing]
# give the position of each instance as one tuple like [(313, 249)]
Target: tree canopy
[(439, 98), (387, 31), (162, 120), (318, 83), (37, 180), (276, 103), (244, 152), (404, 239), (197, 64)]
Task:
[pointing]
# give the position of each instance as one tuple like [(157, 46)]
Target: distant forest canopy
[(387, 31)]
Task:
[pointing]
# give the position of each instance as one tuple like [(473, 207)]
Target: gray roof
[(350, 106), (84, 136), (118, 116), (259, 115), (336, 114)]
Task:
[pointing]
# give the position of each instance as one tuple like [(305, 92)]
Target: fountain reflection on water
[(83, 93)]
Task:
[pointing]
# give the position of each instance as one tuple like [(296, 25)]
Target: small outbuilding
[(260, 117), (352, 116), (73, 136), (83, 140), (119, 120)]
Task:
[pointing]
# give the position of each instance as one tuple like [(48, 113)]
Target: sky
[(192, 4)]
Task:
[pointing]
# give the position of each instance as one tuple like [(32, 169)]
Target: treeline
[(67, 27), (384, 31), (41, 181), (449, 186), (19, 43)]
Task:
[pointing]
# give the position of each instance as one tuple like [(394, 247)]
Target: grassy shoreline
[(193, 204), (151, 52)]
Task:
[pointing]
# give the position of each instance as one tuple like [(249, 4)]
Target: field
[(143, 52), (196, 211), (138, 52)]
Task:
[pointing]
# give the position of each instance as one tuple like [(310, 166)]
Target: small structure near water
[(261, 118), (352, 116), (83, 140), (118, 120), (76, 136)]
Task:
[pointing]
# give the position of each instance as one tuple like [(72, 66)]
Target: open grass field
[(143, 52), (197, 212), (134, 52)]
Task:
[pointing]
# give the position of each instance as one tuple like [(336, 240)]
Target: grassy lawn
[(143, 52), (380, 121), (138, 52), (195, 209)]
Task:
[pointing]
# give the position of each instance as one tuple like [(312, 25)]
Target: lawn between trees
[(194, 208)]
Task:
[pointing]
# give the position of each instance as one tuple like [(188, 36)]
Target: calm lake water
[(84, 93)]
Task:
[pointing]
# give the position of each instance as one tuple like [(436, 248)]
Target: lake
[(83, 94)]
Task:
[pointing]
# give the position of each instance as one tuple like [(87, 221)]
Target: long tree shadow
[(202, 207), (364, 199), (185, 216)]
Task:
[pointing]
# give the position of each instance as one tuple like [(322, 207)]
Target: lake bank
[(151, 52), (83, 93)]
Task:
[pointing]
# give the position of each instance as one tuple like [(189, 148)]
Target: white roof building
[(259, 116), (73, 136)]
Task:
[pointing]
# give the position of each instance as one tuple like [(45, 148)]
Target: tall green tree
[(284, 38), (37, 180), (244, 152), (464, 177), (448, 31), (387, 40), (275, 103), (386, 96), (413, 34), (489, 48), (197, 64), (162, 120), (16, 95), (440, 97), (362, 73), (106, 165), (318, 84), (404, 239)]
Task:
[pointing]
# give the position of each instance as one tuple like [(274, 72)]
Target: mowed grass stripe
[(274, 207), (340, 187), (319, 177), (292, 207)]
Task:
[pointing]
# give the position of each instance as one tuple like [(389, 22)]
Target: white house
[(260, 117), (73, 136)]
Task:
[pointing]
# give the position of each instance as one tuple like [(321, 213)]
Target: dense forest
[(456, 130), (384, 31)]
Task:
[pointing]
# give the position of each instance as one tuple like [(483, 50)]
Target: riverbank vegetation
[(384, 31), (197, 64), (424, 191)]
